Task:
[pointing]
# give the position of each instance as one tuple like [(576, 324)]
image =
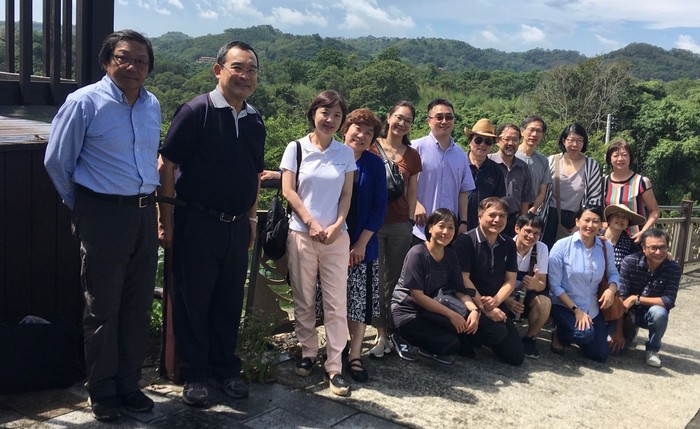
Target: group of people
[(465, 226)]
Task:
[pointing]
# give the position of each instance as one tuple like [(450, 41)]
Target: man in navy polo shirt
[(216, 141), (489, 265)]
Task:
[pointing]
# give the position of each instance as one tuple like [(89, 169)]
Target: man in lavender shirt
[(446, 179)]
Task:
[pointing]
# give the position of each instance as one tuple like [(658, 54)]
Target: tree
[(381, 84), (584, 93), (672, 168)]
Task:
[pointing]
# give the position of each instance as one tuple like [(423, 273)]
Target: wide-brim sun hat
[(483, 127), (623, 210)]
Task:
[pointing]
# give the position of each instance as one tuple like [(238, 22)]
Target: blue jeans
[(593, 341), (655, 319)]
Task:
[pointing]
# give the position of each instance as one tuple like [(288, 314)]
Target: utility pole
[(608, 127)]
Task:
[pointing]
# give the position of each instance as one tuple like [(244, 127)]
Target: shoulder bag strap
[(381, 150), (533, 260), (289, 208), (557, 159)]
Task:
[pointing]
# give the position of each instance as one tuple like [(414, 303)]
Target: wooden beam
[(95, 21), (26, 63), (10, 35), (67, 40)]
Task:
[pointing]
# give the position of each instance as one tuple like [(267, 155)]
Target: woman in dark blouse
[(418, 318)]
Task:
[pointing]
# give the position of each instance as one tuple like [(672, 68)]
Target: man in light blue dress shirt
[(102, 157), (446, 179)]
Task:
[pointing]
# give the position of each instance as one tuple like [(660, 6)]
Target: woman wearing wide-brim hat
[(488, 175), (619, 217)]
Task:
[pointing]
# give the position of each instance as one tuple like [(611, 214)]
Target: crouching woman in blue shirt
[(576, 267)]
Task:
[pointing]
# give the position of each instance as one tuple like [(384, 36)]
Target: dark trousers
[(593, 341), (436, 334), (502, 338), (568, 220), (210, 261), (119, 252)]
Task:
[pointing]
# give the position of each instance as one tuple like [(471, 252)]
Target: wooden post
[(684, 233)]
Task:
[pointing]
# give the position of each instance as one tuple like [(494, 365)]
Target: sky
[(591, 27)]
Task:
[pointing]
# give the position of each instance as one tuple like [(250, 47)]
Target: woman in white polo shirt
[(318, 242)]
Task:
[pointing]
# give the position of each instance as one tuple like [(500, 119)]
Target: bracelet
[(463, 222), (253, 219)]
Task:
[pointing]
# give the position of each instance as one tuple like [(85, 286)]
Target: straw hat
[(483, 127), (623, 210)]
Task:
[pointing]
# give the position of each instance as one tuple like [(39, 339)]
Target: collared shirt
[(490, 182), (321, 179), (539, 169), (518, 187), (220, 168), (542, 264), (101, 142), (445, 175), (636, 279), (219, 102), (576, 270), (486, 263)]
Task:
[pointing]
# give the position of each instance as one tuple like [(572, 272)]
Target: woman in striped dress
[(624, 186), (580, 183)]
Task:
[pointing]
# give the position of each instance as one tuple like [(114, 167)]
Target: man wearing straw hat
[(488, 177)]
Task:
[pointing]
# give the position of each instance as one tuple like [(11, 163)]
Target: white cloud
[(123, 2), (489, 36), (177, 3), (205, 13), (289, 17), (687, 42), (366, 15), (609, 42), (529, 34), (160, 10)]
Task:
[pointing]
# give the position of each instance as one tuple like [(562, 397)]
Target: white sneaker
[(382, 347), (653, 359)]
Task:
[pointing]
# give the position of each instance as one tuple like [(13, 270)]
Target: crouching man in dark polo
[(649, 285), (217, 141), (102, 157)]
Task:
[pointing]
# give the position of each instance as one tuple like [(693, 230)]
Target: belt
[(139, 201), (223, 217)]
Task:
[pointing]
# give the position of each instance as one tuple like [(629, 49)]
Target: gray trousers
[(394, 243), (119, 252)]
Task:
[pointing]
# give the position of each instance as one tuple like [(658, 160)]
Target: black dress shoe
[(105, 408), (137, 402)]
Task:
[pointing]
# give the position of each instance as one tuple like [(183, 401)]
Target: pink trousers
[(307, 258)]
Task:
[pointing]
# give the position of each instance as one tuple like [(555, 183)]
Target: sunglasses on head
[(486, 140)]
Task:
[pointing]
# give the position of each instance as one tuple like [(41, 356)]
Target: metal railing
[(684, 229)]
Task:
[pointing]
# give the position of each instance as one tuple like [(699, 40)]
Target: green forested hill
[(646, 62)]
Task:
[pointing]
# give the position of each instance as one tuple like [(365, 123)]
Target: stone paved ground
[(563, 391)]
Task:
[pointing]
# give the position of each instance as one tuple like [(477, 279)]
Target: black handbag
[(394, 179), (276, 229)]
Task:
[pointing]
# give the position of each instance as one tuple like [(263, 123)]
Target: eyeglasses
[(441, 118), (572, 140), (534, 130), (655, 249), (486, 140), (122, 60), (401, 118), (510, 139), (240, 70)]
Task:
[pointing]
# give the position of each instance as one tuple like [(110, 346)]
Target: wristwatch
[(412, 222), (463, 222), (637, 301), (574, 308)]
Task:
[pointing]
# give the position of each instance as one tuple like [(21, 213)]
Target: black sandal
[(357, 370)]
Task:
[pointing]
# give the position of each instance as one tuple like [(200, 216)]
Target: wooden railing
[(20, 85), (683, 228)]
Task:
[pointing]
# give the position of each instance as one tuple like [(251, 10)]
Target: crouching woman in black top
[(418, 318)]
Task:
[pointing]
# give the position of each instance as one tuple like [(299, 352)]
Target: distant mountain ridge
[(647, 62)]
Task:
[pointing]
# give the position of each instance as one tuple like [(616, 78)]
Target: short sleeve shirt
[(524, 261), (421, 272), (409, 165), (539, 169), (486, 264), (321, 179)]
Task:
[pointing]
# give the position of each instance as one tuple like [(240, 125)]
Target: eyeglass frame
[(440, 117), (125, 61)]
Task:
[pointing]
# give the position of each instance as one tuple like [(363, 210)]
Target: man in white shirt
[(533, 257)]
